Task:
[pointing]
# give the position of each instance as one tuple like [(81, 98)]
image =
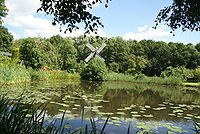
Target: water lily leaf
[(146, 106), (115, 118), (134, 112), (136, 115), (148, 116)]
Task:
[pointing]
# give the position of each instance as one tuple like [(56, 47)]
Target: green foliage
[(3, 10), (62, 75), (119, 76), (196, 73), (35, 52), (6, 38), (114, 67), (38, 75), (116, 51), (15, 55), (182, 14), (136, 64), (4, 59), (80, 66), (141, 78), (145, 57), (30, 53), (179, 72), (18, 118), (68, 54), (77, 12), (95, 70), (12, 73)]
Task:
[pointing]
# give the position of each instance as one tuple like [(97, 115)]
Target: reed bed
[(143, 79)]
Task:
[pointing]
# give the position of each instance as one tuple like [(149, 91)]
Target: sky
[(129, 19)]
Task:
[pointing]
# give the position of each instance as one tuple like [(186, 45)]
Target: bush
[(114, 67), (38, 75), (181, 73), (13, 73), (95, 70), (4, 59), (196, 73)]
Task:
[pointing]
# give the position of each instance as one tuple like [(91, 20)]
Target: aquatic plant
[(143, 79), (13, 73)]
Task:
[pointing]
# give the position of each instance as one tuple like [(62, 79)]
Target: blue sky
[(130, 19)]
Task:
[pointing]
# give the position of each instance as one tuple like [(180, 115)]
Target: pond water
[(150, 108)]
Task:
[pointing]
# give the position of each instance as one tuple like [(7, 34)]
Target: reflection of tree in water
[(118, 94)]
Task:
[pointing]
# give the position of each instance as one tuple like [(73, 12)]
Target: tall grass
[(143, 79), (13, 73), (62, 75), (17, 118), (52, 75)]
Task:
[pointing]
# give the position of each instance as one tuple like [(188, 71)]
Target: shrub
[(4, 59), (181, 73), (114, 67), (196, 73), (95, 70), (38, 75), (80, 66), (13, 73)]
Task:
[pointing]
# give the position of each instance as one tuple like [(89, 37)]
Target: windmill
[(95, 52)]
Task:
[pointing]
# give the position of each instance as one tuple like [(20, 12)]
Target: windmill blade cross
[(95, 52)]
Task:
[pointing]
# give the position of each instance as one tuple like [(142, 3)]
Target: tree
[(3, 10), (183, 14), (95, 70), (136, 64), (72, 12), (68, 55), (6, 39)]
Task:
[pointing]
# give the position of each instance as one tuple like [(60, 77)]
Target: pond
[(150, 108)]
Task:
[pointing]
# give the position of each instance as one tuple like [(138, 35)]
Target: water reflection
[(124, 101)]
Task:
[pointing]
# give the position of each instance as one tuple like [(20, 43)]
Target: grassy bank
[(143, 79), (11, 73)]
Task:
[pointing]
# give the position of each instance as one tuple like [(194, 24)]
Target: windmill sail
[(101, 48), (98, 56), (90, 47), (89, 57), (95, 52)]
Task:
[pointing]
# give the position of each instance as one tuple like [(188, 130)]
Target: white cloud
[(147, 32), (22, 7), (21, 16), (141, 29)]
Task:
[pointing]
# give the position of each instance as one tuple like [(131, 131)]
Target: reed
[(11, 73), (143, 79)]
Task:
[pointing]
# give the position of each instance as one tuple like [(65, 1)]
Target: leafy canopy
[(184, 14), (3, 10), (72, 12)]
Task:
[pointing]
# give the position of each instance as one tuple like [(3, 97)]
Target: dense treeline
[(147, 56), (131, 57)]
